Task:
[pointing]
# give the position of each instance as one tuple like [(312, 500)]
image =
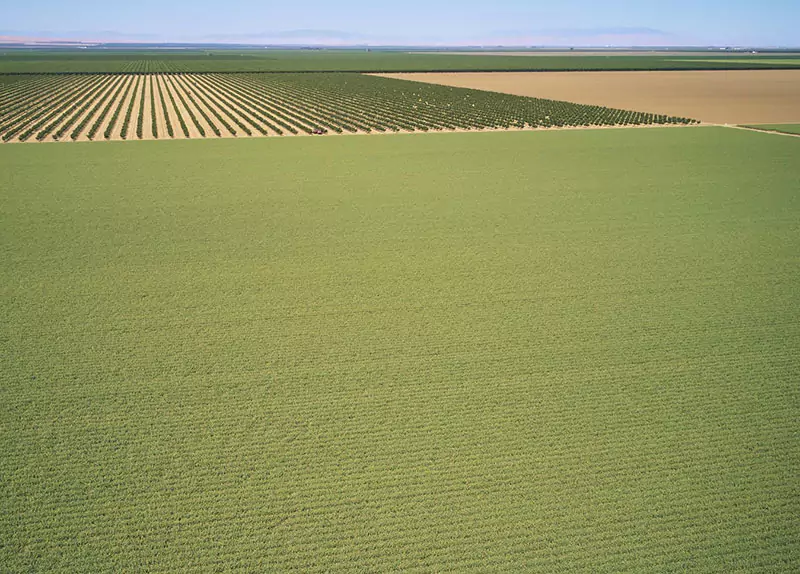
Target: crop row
[(226, 105)]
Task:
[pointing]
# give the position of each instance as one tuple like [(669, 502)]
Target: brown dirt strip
[(147, 123), (199, 97), (137, 104), (512, 129), (174, 110), (719, 97), (772, 132), (126, 98), (194, 132), (161, 122), (173, 117)]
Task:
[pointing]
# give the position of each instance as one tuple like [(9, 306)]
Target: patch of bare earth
[(137, 104), (147, 123), (161, 122), (721, 97)]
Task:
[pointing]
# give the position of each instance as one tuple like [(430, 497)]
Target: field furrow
[(118, 117)]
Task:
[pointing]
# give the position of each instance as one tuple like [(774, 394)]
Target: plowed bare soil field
[(748, 96)]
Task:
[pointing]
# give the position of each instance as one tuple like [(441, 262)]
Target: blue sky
[(563, 22)]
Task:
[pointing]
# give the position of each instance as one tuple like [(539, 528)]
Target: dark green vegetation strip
[(567, 351), (783, 128), (363, 61)]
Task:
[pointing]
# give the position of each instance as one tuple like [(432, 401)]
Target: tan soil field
[(161, 123), (137, 104), (721, 97), (147, 124)]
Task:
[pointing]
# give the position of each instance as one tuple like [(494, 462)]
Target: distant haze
[(576, 23)]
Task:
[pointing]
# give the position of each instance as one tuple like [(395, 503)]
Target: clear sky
[(564, 22)]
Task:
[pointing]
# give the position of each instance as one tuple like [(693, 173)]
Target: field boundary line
[(748, 129), (437, 132)]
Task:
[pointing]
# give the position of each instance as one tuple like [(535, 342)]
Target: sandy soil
[(725, 97), (177, 131), (147, 122), (126, 98), (137, 103), (161, 122)]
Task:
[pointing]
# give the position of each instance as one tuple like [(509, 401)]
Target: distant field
[(166, 106), (704, 56), (734, 97), (764, 60), (784, 128), (151, 61), (565, 351)]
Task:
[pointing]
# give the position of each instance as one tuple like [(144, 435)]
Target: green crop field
[(783, 128), (569, 351), (333, 60), (791, 62)]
